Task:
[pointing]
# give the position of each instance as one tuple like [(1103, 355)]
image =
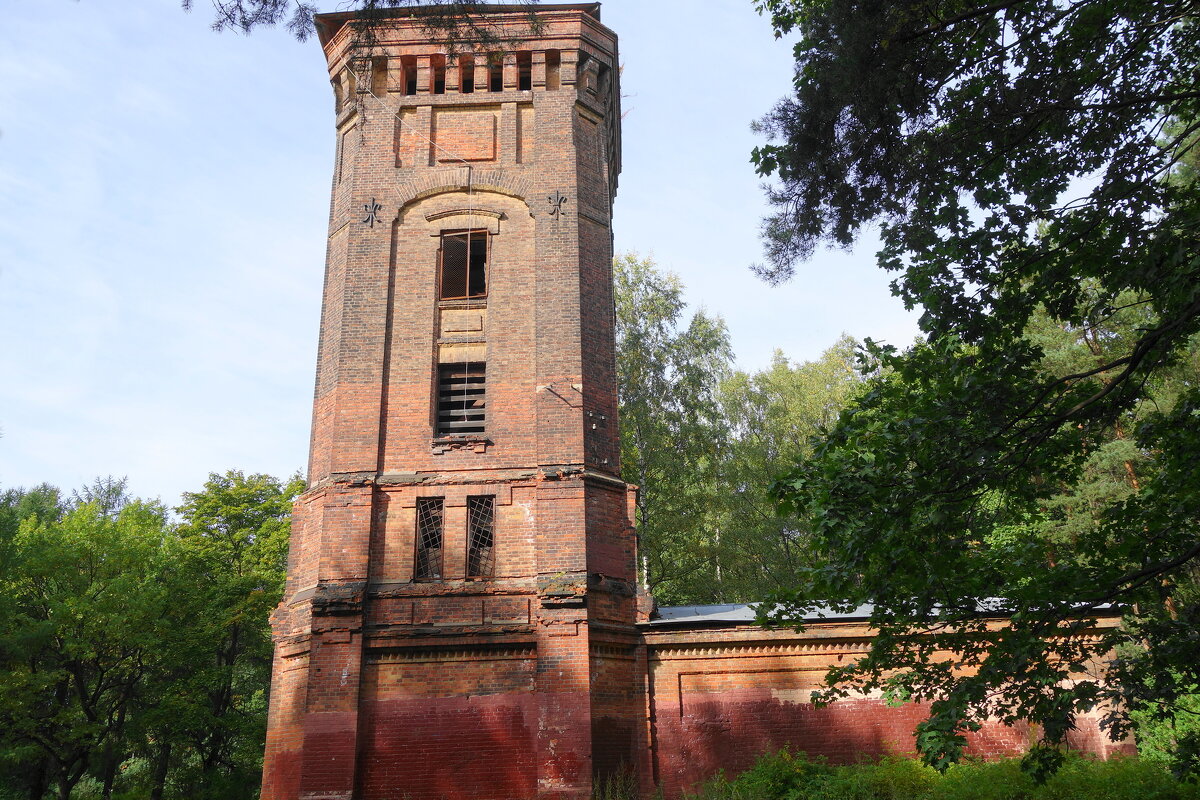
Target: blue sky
[(163, 209)]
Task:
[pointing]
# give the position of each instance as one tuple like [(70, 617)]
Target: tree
[(211, 707), (85, 609), (673, 436), (701, 440), (773, 416), (1027, 163), (457, 23), (135, 654)]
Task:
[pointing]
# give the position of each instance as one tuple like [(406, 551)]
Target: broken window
[(481, 514), (430, 519), (463, 265), (461, 396)]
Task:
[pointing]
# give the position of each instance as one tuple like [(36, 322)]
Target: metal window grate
[(462, 263), (430, 518), (481, 540), (461, 398)]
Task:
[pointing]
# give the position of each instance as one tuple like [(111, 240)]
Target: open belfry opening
[(462, 619)]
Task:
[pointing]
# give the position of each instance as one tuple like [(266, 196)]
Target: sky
[(164, 198)]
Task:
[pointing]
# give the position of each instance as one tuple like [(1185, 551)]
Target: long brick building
[(462, 617)]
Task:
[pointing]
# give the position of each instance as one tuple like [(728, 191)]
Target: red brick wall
[(385, 686), (722, 697), (451, 724)]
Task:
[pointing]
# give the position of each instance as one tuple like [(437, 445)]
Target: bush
[(787, 776)]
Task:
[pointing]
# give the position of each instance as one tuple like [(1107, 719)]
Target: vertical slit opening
[(524, 70), (481, 537), (409, 65), (438, 64), (496, 72), (430, 523), (379, 67), (466, 74), (553, 70)]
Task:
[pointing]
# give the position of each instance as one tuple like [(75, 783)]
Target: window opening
[(553, 70), (439, 74), (481, 513), (462, 391), (409, 64), (463, 265), (343, 146), (525, 70), (496, 73), (466, 74), (430, 522), (583, 76), (379, 68)]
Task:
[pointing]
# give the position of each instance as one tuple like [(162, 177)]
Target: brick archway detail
[(461, 179)]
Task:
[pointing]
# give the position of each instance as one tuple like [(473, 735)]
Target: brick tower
[(459, 613)]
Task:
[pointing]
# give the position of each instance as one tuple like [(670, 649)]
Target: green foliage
[(701, 440), (1160, 736), (457, 24), (1029, 165), (86, 611), (773, 416), (135, 653), (673, 435), (784, 776)]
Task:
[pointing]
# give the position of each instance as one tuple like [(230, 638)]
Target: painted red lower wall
[(547, 718), (721, 697), (460, 748)]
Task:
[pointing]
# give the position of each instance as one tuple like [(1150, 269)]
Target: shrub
[(787, 776)]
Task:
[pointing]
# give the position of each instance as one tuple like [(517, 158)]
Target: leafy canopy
[(1029, 165), (673, 434), (135, 653), (458, 23)]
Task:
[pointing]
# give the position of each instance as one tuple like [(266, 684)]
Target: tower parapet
[(458, 618)]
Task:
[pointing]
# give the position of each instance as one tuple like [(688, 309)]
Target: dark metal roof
[(739, 614), (744, 613)]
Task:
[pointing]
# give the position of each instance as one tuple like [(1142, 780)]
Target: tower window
[(461, 395), (409, 66), (463, 265), (496, 73), (438, 65), (481, 540), (553, 70), (466, 73), (524, 70), (430, 521)]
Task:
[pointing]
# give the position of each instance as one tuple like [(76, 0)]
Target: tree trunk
[(38, 781), (111, 759), (159, 779)]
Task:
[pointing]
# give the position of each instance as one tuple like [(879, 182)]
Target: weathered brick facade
[(460, 618), (523, 679)]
